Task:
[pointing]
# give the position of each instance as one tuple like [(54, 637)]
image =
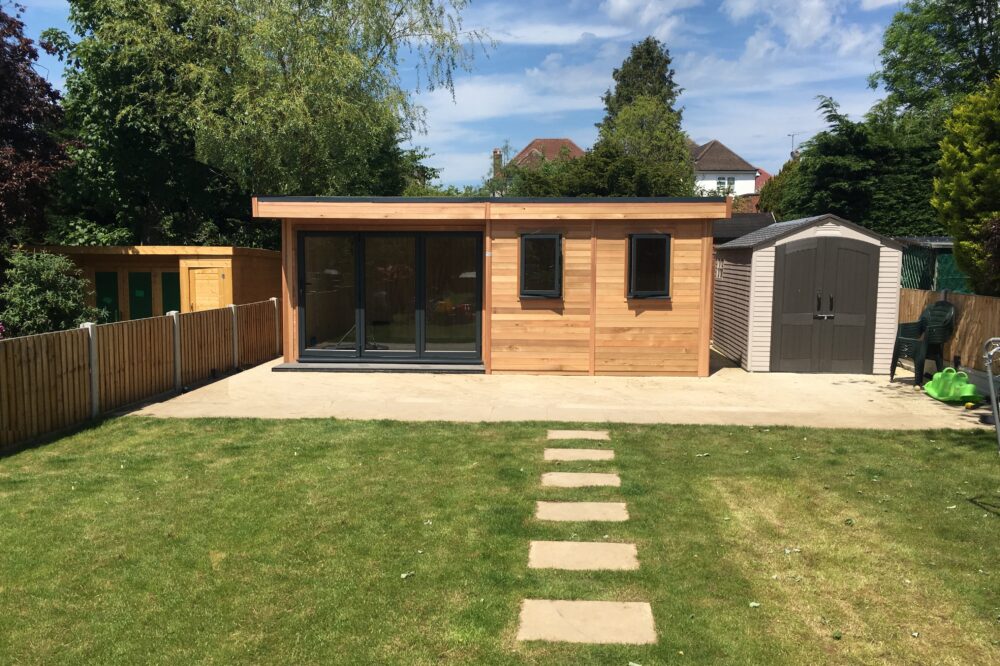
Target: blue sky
[(750, 69)]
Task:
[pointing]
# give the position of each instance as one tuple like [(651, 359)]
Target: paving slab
[(612, 512), (629, 622), (578, 434), (579, 454), (580, 479), (730, 397), (582, 555)]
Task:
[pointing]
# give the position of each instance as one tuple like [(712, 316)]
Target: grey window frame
[(556, 292), (632, 245)]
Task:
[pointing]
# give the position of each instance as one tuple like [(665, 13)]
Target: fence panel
[(256, 325), (977, 320), (206, 344), (44, 384), (135, 360)]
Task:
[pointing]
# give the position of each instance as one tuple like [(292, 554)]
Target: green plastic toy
[(951, 386)]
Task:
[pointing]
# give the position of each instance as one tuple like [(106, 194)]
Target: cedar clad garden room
[(577, 286)]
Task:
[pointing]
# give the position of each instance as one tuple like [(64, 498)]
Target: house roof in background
[(546, 149), (716, 156), (740, 224), (762, 177)]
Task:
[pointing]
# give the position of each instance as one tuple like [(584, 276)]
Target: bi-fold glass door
[(390, 296)]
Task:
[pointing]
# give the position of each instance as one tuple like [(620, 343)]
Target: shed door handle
[(831, 302), (819, 301)]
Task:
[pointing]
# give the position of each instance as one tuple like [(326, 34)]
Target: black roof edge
[(516, 200)]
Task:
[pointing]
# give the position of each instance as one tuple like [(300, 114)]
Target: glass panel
[(329, 293), (390, 293), (649, 266), (452, 286), (540, 268)]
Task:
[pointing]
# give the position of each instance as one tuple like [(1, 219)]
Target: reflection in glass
[(650, 258), (540, 265), (329, 292), (390, 293), (452, 262)]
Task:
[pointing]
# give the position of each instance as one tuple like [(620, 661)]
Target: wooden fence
[(54, 381), (978, 319)]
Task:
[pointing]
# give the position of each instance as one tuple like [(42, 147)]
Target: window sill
[(539, 297), (633, 297)]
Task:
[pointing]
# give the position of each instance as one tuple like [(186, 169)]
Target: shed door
[(205, 288), (824, 306)]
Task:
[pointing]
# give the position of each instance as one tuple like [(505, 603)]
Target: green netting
[(918, 268), (950, 276)]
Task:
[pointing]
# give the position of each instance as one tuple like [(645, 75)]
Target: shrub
[(43, 292)]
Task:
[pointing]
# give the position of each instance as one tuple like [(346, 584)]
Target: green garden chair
[(924, 339)]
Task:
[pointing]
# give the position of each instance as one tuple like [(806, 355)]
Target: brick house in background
[(536, 152)]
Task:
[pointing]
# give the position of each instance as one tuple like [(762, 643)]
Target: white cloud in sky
[(750, 69), (869, 5)]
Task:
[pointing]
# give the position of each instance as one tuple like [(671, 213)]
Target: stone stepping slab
[(612, 512), (582, 556), (580, 479), (602, 622), (578, 434), (579, 454)]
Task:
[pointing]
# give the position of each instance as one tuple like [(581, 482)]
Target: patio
[(729, 396)]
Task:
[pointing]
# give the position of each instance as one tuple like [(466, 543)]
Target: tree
[(646, 72), (29, 154), (935, 51), (184, 108), (865, 172), (967, 190), (649, 131), (43, 292), (773, 194)]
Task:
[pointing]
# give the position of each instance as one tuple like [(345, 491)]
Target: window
[(649, 266), (731, 182), (541, 266), (720, 183)]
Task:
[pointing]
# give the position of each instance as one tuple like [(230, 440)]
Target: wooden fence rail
[(54, 381), (977, 320)]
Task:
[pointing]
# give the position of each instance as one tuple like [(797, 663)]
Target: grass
[(280, 542)]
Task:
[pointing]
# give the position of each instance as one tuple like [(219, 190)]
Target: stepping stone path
[(570, 455), (627, 623), (612, 512), (579, 479), (582, 555), (601, 435), (586, 622)]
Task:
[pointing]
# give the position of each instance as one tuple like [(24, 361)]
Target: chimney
[(497, 162)]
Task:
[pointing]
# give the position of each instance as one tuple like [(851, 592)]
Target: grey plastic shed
[(818, 294)]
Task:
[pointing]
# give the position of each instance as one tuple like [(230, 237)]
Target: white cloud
[(869, 5), (554, 34), (657, 17)]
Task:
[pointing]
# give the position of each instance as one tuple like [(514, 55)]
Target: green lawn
[(284, 542)]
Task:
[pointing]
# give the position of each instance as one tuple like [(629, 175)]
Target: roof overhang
[(482, 208)]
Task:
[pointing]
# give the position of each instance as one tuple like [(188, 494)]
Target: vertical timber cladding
[(594, 328)]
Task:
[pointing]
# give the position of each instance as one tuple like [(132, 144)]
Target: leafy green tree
[(864, 172), (43, 292), (967, 190), (646, 72), (184, 108), (649, 131), (29, 153), (773, 194), (935, 51)]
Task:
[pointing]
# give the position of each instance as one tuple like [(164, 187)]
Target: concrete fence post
[(277, 326), (95, 370), (236, 338), (175, 318)]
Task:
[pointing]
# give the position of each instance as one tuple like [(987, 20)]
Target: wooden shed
[(570, 286), (136, 281), (819, 294)]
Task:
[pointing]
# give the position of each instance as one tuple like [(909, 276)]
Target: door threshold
[(435, 368)]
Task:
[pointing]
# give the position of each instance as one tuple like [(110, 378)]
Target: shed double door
[(823, 317)]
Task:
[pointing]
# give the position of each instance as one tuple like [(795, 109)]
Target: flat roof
[(157, 250), (467, 209)]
